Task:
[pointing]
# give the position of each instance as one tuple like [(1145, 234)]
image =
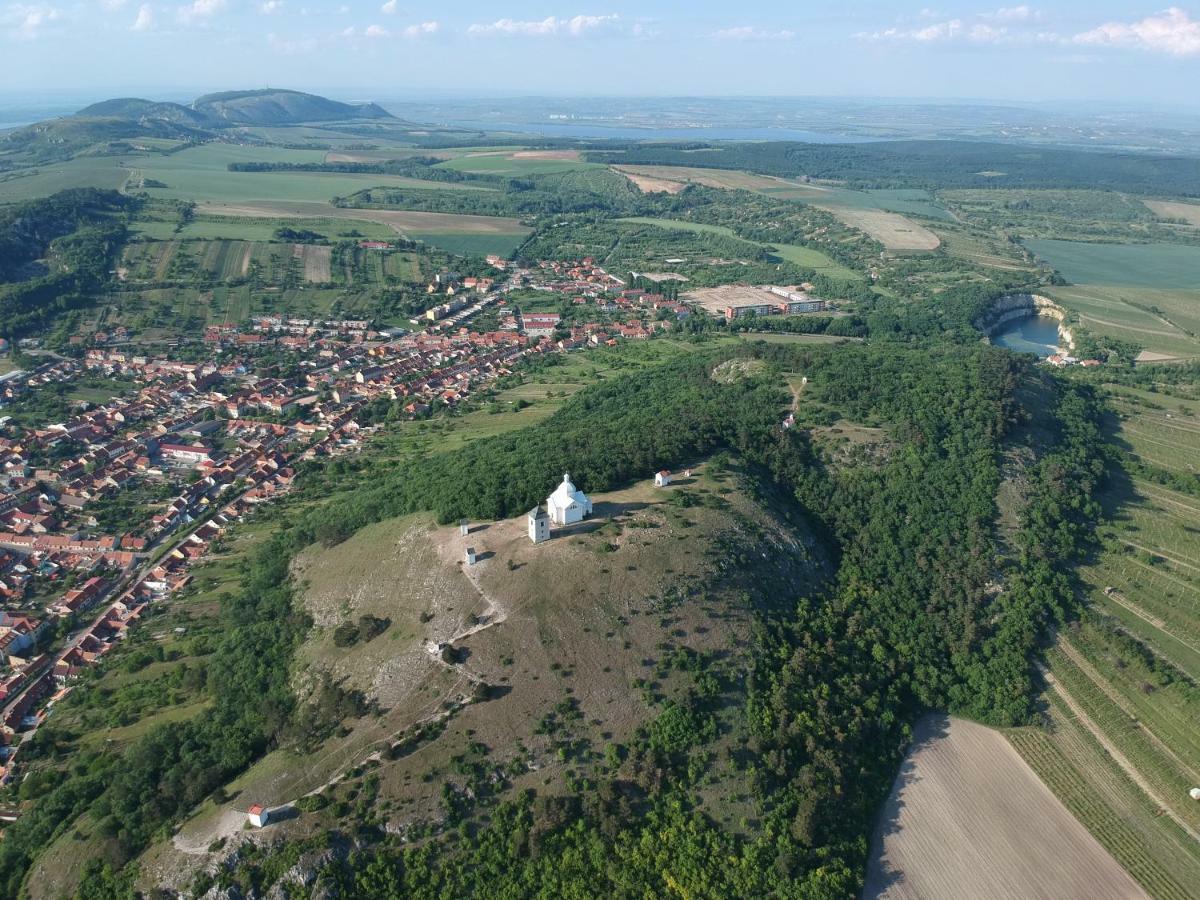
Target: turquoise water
[(1033, 334)]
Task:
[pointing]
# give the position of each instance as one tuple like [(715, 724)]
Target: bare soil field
[(547, 154), (402, 221), (317, 261), (894, 231), (648, 184), (968, 817), (717, 178), (1170, 209)]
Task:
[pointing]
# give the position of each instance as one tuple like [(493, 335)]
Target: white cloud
[(751, 33), (268, 7), (26, 22), (145, 18), (375, 31), (389, 8), (113, 4), (1172, 32), (421, 29), (200, 10), (924, 34), (551, 26)]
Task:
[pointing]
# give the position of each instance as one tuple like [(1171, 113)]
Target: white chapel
[(568, 504)]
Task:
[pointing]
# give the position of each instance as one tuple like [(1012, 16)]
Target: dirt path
[(1159, 624), (1118, 757)]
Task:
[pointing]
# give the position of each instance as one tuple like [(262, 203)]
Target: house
[(663, 478), (470, 556), (259, 815), (539, 525), (568, 505)]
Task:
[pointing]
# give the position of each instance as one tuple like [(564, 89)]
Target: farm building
[(568, 504)]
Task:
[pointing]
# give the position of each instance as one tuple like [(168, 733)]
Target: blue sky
[(1099, 50)]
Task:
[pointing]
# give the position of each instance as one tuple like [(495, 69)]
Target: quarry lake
[(1033, 334)]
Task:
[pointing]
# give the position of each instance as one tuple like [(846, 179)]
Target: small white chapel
[(568, 504)]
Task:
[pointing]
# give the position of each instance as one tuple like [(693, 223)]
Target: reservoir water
[(1033, 334)]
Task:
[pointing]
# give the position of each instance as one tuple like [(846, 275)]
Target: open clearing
[(968, 817), (1171, 209), (1127, 313)]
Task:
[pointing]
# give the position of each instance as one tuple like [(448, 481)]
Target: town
[(107, 510)]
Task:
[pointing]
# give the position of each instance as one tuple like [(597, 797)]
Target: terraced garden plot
[(1103, 311), (1141, 744), (1163, 860)]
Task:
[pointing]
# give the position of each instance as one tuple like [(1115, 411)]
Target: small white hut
[(470, 556), (258, 815), (662, 478), (464, 527)]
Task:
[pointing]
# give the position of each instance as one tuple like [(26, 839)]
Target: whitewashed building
[(568, 505), (662, 478), (539, 525), (259, 815)]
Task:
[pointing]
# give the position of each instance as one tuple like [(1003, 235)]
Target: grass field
[(243, 228), (1161, 266), (88, 171), (793, 253), (515, 163)]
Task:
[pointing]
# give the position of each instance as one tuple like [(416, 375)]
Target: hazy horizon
[(1116, 52)]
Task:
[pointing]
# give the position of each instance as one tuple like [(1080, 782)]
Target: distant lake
[(584, 130), (1033, 334)]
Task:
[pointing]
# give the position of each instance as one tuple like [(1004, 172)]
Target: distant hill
[(278, 107), (133, 108)]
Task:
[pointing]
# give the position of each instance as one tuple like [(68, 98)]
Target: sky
[(1090, 50)]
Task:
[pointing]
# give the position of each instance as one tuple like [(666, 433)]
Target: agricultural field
[(243, 228), (86, 171), (1160, 321), (967, 817), (1121, 702), (793, 253), (447, 231), (1175, 210), (1156, 266), (518, 162)]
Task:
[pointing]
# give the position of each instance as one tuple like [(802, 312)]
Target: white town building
[(568, 505)]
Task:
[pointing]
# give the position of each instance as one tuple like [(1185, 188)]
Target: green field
[(88, 171), (464, 244), (1161, 266), (793, 253), (247, 229), (201, 174), (507, 164)]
